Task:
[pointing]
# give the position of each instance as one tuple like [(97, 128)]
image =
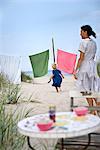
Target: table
[(67, 125), (76, 94)]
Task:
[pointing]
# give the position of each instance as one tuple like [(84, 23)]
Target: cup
[(52, 113)]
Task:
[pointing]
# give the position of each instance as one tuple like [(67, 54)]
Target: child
[(57, 77)]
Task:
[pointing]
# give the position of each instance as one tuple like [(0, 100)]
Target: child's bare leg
[(60, 88), (56, 89)]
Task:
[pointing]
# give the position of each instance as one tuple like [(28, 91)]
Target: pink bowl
[(81, 111), (45, 126)]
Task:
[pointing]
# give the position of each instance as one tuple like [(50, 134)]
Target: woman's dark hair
[(89, 30)]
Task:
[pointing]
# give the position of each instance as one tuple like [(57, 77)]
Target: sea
[(30, 73)]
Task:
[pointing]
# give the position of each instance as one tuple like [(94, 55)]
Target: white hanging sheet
[(10, 67)]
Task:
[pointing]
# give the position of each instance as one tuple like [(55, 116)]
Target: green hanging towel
[(98, 69), (39, 63)]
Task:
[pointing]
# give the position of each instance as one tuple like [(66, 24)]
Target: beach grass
[(25, 77), (10, 139)]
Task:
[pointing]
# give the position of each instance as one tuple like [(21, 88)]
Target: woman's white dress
[(87, 77)]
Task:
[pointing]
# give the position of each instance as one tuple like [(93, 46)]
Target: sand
[(40, 94)]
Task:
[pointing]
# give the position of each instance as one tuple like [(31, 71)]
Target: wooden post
[(53, 50)]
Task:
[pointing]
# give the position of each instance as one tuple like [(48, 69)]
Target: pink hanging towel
[(66, 61)]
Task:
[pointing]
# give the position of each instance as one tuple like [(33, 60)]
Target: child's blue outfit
[(57, 78)]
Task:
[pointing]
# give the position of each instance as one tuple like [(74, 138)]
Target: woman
[(57, 77), (85, 69)]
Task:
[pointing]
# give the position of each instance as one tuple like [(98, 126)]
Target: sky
[(28, 26)]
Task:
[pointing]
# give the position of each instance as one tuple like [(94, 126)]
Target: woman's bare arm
[(81, 58)]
